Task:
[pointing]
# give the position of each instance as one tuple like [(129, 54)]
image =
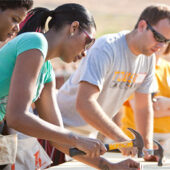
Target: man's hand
[(148, 155), (131, 151)]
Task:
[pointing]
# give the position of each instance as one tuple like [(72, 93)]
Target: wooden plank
[(113, 157)]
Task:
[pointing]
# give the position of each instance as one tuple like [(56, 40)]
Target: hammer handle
[(109, 147), (119, 145), (75, 151)]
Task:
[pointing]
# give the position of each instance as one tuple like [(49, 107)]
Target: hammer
[(137, 142), (159, 152)]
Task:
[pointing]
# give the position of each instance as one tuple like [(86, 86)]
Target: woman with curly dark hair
[(12, 12)]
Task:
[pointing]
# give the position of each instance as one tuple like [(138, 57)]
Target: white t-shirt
[(117, 72)]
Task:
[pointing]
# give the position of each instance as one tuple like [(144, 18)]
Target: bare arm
[(118, 117), (92, 112), (22, 88), (144, 117), (47, 107)]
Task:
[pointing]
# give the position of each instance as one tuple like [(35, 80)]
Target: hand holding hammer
[(137, 142)]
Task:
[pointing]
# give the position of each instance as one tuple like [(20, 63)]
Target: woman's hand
[(127, 164)]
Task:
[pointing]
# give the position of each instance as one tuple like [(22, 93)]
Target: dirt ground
[(110, 15)]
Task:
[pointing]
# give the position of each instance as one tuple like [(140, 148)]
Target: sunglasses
[(158, 37), (89, 40)]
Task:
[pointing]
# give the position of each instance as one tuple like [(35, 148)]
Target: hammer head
[(159, 152), (137, 142)]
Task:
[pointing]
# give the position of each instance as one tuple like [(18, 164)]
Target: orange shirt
[(162, 124)]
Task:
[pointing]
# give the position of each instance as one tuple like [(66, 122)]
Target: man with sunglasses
[(116, 66), (158, 37)]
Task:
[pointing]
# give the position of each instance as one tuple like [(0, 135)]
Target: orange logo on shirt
[(123, 79)]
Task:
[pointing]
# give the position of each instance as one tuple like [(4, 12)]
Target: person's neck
[(158, 56), (53, 44), (132, 42)]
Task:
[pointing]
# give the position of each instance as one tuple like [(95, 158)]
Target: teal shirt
[(8, 56)]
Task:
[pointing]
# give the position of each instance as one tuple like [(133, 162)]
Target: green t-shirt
[(8, 56)]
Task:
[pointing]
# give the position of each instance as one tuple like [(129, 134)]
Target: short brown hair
[(154, 13)]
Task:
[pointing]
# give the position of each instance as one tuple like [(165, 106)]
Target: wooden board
[(114, 157)]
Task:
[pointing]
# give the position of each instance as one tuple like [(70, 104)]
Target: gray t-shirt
[(117, 73)]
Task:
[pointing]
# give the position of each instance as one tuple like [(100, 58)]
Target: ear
[(142, 26), (74, 27)]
